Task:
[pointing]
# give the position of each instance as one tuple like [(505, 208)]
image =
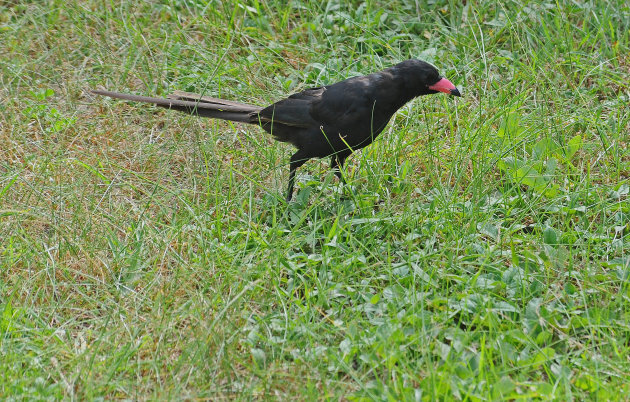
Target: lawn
[(480, 249)]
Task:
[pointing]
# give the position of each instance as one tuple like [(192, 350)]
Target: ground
[(479, 251)]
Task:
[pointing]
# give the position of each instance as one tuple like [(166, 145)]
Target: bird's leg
[(297, 160), (336, 164)]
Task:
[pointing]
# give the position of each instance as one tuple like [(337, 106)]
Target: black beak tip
[(455, 92)]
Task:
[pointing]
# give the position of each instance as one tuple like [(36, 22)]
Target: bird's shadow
[(313, 201)]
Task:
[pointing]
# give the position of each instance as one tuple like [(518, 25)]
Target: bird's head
[(426, 78)]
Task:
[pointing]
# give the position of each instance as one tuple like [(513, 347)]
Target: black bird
[(333, 120)]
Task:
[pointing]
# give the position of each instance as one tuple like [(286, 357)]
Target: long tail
[(198, 105)]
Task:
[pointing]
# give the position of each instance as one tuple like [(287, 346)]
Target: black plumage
[(328, 121)]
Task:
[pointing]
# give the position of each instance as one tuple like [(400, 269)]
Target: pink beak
[(445, 86)]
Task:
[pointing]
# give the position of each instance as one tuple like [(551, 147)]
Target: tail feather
[(189, 96), (197, 105)]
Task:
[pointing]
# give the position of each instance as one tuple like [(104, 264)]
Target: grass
[(479, 251)]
